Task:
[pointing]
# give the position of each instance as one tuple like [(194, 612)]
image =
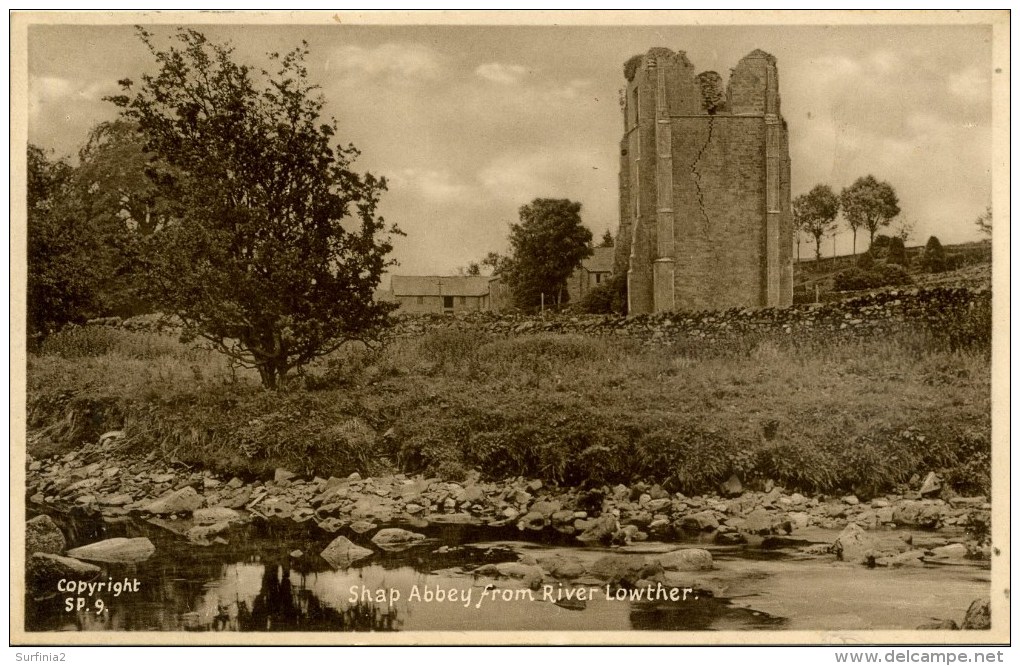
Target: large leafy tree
[(868, 204), (546, 246), (58, 289), (274, 246), (815, 213), (121, 175)]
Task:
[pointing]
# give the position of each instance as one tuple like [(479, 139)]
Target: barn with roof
[(443, 294)]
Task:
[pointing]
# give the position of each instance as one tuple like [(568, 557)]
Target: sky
[(468, 123)]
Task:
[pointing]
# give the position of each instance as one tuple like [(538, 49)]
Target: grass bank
[(828, 415)]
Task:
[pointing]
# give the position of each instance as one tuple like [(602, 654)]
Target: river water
[(260, 582)]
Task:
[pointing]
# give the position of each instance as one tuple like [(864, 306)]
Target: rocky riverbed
[(637, 537)]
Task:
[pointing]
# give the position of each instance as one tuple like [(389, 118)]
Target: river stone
[(625, 570), (530, 574), (759, 522), (184, 500), (954, 551), (203, 535), (472, 495), (217, 514), (282, 475), (938, 625), (454, 519), (119, 499), (45, 570), (911, 558), (362, 526), (533, 520), (331, 524), (979, 615), (854, 545), (396, 539), (561, 566), (374, 508), (43, 536), (657, 505), (732, 486), (915, 512), (341, 553), (931, 485), (118, 549), (702, 521), (686, 559), (599, 530), (545, 508)]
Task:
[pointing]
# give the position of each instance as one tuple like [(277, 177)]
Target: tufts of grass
[(817, 413)]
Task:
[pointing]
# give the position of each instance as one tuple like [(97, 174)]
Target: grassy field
[(834, 415)]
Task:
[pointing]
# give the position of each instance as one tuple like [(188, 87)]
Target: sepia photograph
[(510, 328)]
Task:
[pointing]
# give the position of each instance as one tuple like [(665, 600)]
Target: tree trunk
[(818, 251), (855, 247)]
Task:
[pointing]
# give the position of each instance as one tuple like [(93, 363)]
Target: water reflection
[(258, 583)]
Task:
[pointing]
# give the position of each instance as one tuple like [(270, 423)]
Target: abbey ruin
[(705, 216)]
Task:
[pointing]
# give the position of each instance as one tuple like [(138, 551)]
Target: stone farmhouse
[(594, 271), (443, 294), (451, 294)]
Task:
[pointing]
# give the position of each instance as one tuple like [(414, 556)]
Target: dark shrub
[(607, 298), (934, 258), (897, 252), (881, 275)]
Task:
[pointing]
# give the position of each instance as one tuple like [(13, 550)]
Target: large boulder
[(731, 487), (341, 553), (686, 559), (530, 575), (119, 549), (702, 521), (217, 514), (979, 615), (625, 570), (184, 500), (854, 545), (205, 535), (45, 570), (562, 566), (396, 539), (43, 536), (599, 530)]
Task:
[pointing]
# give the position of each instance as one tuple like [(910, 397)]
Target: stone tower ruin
[(705, 217)]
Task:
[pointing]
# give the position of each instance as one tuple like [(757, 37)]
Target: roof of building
[(439, 285), (601, 261)]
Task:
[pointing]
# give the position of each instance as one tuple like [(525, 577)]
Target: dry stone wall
[(864, 316)]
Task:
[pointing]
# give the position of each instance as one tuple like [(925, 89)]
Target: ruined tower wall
[(704, 186)]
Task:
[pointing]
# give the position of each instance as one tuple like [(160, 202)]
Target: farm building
[(447, 294)]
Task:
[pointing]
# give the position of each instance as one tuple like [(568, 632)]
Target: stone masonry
[(705, 215)]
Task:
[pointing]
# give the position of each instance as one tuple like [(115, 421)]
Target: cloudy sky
[(468, 123)]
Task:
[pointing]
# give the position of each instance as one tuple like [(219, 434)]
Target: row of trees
[(218, 196), (867, 204)]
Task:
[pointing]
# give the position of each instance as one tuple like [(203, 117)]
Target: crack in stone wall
[(697, 175)]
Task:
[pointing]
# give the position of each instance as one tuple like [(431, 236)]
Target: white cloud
[(498, 72), (572, 90), (53, 89), (428, 183), (972, 84), (389, 60), (521, 176)]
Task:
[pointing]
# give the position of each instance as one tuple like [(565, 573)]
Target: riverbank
[(99, 479), (521, 538), (834, 412)]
